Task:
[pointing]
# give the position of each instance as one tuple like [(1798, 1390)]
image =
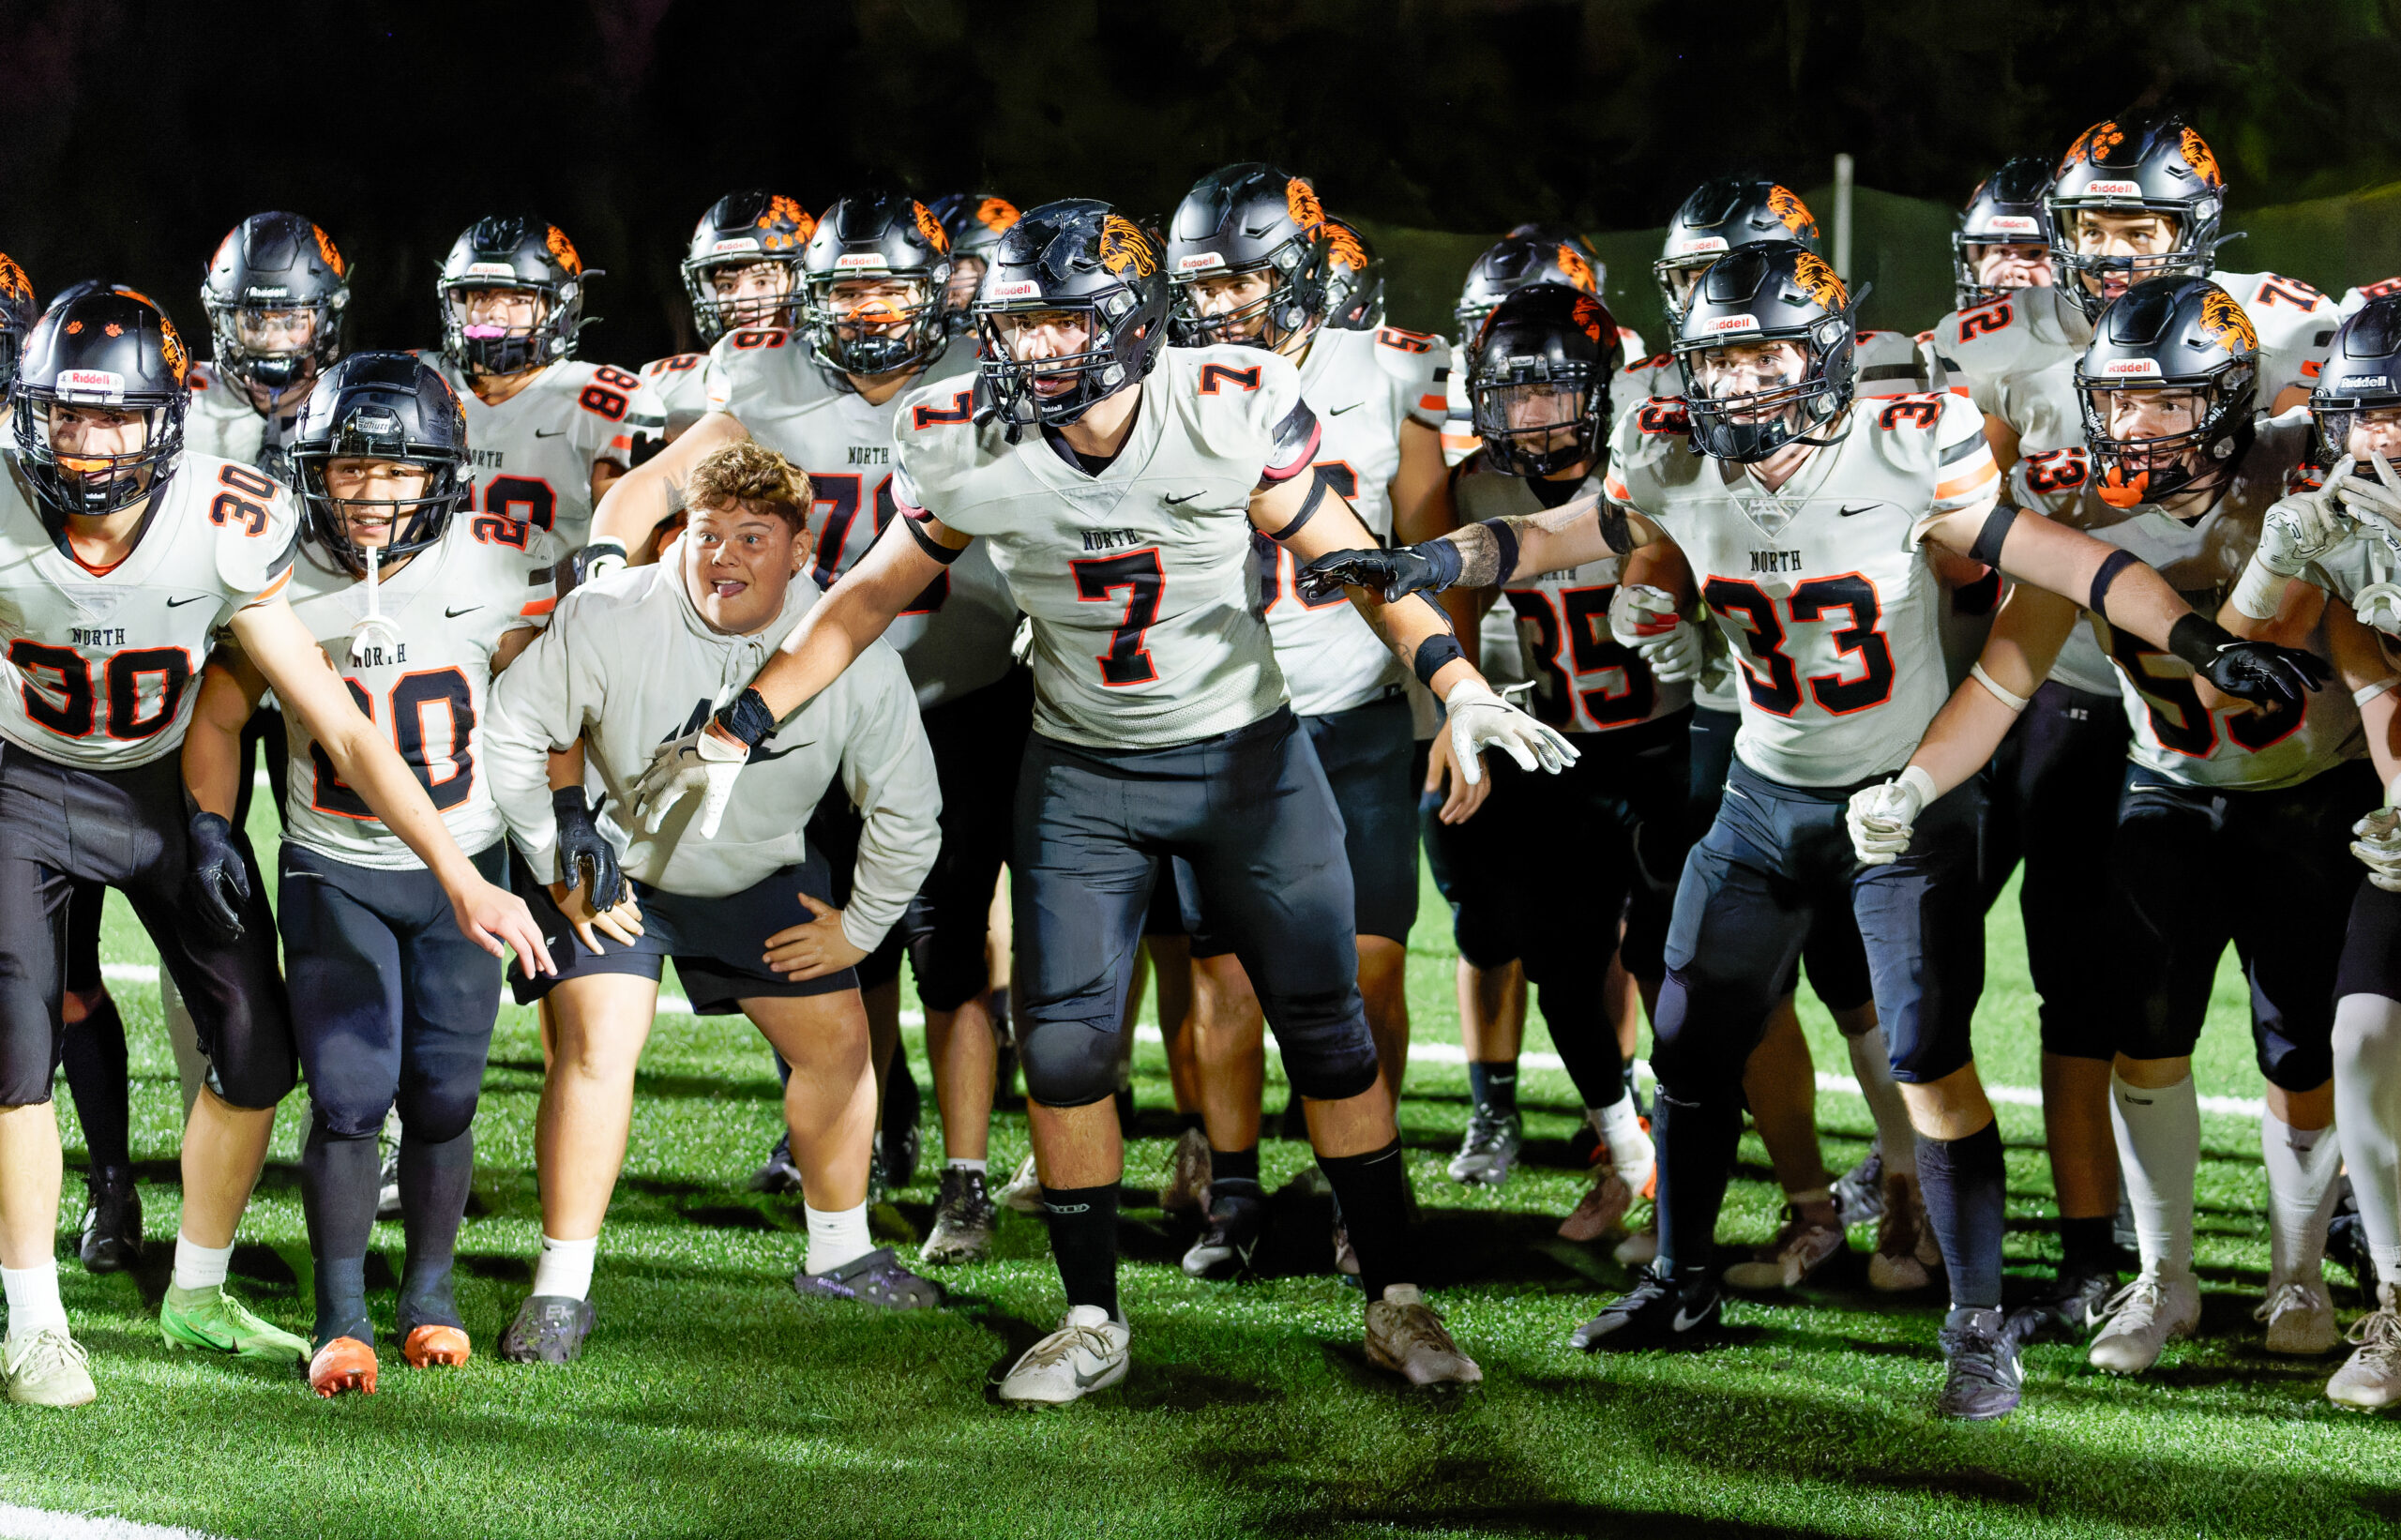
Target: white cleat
[(1405, 1335), (2144, 1316), (2299, 1314), (1023, 1191), (1089, 1352), (46, 1368), (2370, 1379)]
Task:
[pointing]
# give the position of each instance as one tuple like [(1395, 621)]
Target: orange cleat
[(343, 1364), (429, 1346)]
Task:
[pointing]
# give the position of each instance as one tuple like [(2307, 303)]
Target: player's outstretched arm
[(645, 497), (287, 656), (1484, 555), (218, 882)]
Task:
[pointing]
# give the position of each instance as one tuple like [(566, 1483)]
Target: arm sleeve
[(888, 769), (533, 708)]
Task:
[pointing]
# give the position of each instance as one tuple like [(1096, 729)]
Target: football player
[(1354, 286), (121, 554), (974, 221), (417, 608), (826, 398), (548, 433), (1530, 253), (742, 272), (1834, 617), (1119, 482), (2004, 238), (646, 654), (276, 295)]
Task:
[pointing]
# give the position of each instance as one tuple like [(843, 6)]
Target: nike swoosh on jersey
[(1337, 411), (194, 598), (1172, 501), (551, 434), (1864, 507), (454, 614), (762, 755)]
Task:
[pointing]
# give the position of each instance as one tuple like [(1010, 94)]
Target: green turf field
[(711, 1402)]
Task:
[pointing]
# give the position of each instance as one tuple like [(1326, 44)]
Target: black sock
[(1234, 1165), (339, 1181), (1697, 1143), (1083, 1242), (1966, 1184), (1493, 1083), (434, 1179), (1371, 1193), (2086, 1246), (1586, 1039), (93, 1053), (1190, 1123)]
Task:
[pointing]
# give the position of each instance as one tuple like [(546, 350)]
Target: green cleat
[(213, 1320)]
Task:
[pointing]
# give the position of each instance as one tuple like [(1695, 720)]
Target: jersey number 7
[(1127, 661)]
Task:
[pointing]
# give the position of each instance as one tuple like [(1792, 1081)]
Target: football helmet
[(99, 345), (1075, 255), (2008, 208), (974, 221), (512, 251), (877, 236), (1725, 214), (1517, 259), (1560, 234), (1354, 288), (270, 267), (1251, 217), (746, 229), (17, 313), (2137, 162), (1770, 291), (1542, 364), (2170, 334), (382, 406), (2362, 373)]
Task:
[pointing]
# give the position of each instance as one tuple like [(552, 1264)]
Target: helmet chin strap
[(372, 625)]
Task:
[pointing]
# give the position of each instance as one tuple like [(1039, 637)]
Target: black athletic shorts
[(2372, 946)]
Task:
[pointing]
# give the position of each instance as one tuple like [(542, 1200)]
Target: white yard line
[(41, 1524)]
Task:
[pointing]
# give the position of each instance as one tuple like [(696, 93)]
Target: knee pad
[(950, 966), (1483, 937), (1693, 1062), (2077, 1033), (255, 1086), (1328, 1052), (438, 1113), (338, 1115), (1068, 1063)]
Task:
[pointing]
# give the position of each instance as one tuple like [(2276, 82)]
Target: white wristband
[(2366, 693), (2014, 702), (1914, 776), (2259, 591)]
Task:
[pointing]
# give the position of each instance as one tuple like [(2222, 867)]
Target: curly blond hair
[(754, 478)]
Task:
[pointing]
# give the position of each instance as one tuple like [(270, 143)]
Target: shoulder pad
[(254, 529), (1400, 341)]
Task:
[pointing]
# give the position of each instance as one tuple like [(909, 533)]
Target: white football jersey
[(954, 638), (533, 453), (1584, 679), (2358, 563), (1827, 598), (678, 387), (221, 421), (102, 668), (2355, 299), (1139, 578), (422, 684), (2234, 749)]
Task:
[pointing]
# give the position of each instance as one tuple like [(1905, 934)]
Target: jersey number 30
[(418, 702)]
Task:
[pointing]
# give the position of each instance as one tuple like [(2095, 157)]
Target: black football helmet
[(2139, 161), (2362, 373), (1529, 254), (1354, 286), (2175, 333), (382, 406), (17, 313), (1560, 234), (99, 345), (520, 252), (974, 221), (269, 265), (1541, 363), (2008, 208), (746, 230), (1251, 217), (1771, 291), (1725, 214), (877, 235), (1077, 254)]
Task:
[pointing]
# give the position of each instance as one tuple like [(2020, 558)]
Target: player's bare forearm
[(565, 768), (2359, 664), (1584, 529), (1421, 508), (1659, 563), (641, 499), (2299, 608), (2027, 635), (854, 613), (212, 753), (2065, 561)]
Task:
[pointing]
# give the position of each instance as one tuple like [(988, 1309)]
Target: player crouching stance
[(1119, 482), (419, 608), (1807, 520), (644, 655)]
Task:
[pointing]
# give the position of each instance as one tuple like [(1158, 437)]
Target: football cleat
[(2076, 1308), (963, 1219), (2346, 1244), (2370, 1379), (2144, 1316), (877, 1278), (1089, 1352), (2299, 1314), (1023, 1192), (1800, 1248), (1906, 1255), (112, 1220), (1602, 1210), (1658, 1312), (1858, 1194), (1187, 1187), (343, 1364), (1982, 1379), (1489, 1152), (436, 1345), (1405, 1335), (1235, 1221), (214, 1321), (779, 1174), (549, 1329), (47, 1367)]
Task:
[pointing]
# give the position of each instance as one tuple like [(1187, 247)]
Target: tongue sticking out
[(2117, 491)]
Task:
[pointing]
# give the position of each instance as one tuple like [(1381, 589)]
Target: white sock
[(1871, 1064), (2301, 1163), (2159, 1153), (2368, 1117), (199, 1266), (565, 1267), (1630, 1149), (33, 1298), (836, 1237), (956, 1164)]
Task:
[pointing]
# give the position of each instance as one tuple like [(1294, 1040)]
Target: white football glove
[(2306, 526), (700, 760), (2378, 846), (1647, 620), (1480, 717), (2380, 605), (1882, 818), (2374, 501)]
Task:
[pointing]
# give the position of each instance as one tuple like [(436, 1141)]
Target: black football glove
[(2258, 671), (1395, 574), (218, 884), (586, 859)]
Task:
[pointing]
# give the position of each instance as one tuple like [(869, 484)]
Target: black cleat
[(549, 1329), (2072, 1311), (1236, 1221), (112, 1220), (1982, 1380), (779, 1174), (877, 1278), (1656, 1312), (899, 1142)]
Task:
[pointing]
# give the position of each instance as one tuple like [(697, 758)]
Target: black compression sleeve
[(1988, 539), (1432, 654), (2111, 564), (1504, 535)]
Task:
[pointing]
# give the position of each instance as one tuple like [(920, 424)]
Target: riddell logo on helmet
[(490, 270), (2113, 190), (1025, 288), (848, 260), (91, 381), (1734, 323), (739, 243), (2014, 224), (2365, 381), (1700, 243), (2128, 368), (1198, 261)]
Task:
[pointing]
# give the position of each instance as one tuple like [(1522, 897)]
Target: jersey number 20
[(412, 698)]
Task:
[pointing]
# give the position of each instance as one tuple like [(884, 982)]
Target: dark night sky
[(134, 132)]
